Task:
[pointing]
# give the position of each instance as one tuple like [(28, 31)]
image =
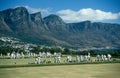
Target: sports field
[(20, 68), (67, 71), (24, 61)]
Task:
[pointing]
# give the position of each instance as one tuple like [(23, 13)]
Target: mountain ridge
[(52, 30)]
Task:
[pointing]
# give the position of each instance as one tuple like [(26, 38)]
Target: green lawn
[(67, 71), (17, 61), (26, 60)]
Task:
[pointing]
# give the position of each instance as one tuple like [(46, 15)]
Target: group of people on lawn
[(69, 58)]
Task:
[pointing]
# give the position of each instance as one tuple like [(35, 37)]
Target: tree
[(66, 51)]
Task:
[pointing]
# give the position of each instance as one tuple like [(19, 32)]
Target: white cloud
[(34, 10), (87, 14), (44, 11)]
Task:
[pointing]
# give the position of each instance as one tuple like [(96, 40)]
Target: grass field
[(67, 71), (25, 61), (19, 68), (21, 61)]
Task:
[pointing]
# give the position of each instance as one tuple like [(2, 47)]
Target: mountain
[(52, 30), (95, 34)]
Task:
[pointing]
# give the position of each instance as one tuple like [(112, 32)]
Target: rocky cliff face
[(54, 23), (53, 30), (16, 18)]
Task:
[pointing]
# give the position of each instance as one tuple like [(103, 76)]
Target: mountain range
[(52, 30)]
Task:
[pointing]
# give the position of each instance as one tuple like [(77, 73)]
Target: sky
[(71, 10)]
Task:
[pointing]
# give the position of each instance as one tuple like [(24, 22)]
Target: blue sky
[(71, 10)]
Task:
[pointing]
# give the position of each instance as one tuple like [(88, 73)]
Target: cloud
[(44, 11), (87, 14)]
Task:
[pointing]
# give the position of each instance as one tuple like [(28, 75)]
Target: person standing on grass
[(55, 59), (81, 58), (86, 58), (39, 59), (58, 59), (105, 58), (98, 57), (109, 57), (102, 57), (70, 58), (77, 58), (36, 60), (67, 59)]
